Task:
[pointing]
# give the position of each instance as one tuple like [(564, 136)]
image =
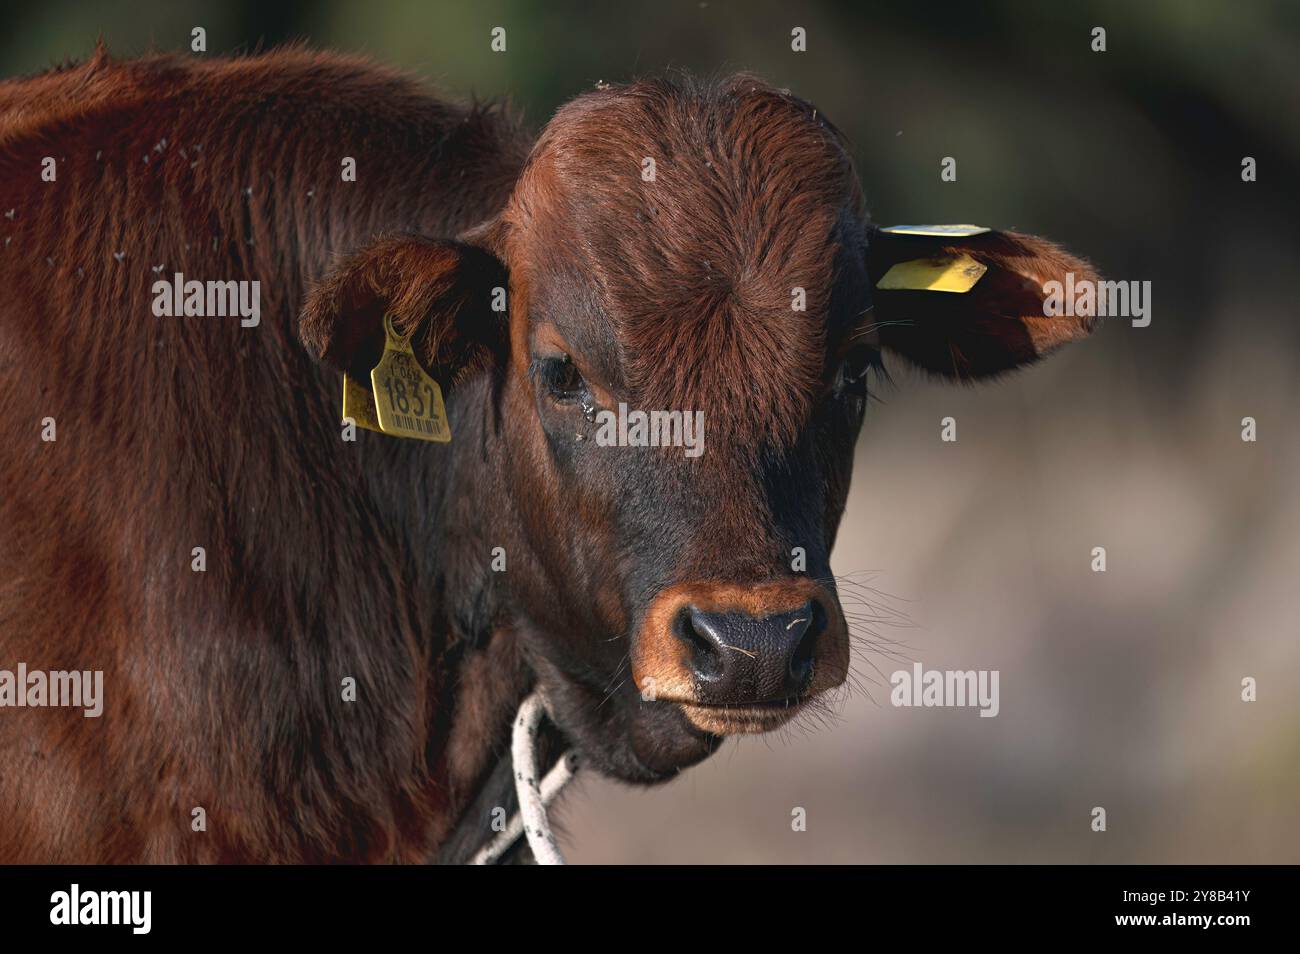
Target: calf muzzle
[(740, 647)]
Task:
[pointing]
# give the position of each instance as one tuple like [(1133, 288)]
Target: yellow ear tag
[(948, 273), (938, 231), (359, 404), (408, 401)]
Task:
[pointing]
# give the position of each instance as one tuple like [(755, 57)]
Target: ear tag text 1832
[(946, 273), (408, 401)]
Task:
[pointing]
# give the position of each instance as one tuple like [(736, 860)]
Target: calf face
[(678, 248)]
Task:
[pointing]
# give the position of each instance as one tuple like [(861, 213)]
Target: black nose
[(739, 659)]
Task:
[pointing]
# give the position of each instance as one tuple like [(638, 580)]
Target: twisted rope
[(534, 797)]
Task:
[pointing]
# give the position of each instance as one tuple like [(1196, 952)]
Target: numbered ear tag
[(408, 401), (947, 273), (359, 404), (938, 231)]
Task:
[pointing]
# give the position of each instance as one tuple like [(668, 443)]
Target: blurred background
[(1119, 689)]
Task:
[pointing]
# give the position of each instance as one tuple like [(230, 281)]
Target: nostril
[(813, 623), (706, 660)]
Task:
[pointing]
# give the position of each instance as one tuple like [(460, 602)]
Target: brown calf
[(649, 594)]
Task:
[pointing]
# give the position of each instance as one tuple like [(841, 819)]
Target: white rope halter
[(534, 799)]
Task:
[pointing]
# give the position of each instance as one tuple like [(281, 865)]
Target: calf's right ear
[(440, 294)]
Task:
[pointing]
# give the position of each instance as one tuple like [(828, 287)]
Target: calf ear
[(999, 323), (439, 293)]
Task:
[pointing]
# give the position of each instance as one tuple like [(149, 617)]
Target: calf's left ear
[(440, 294), (966, 306)]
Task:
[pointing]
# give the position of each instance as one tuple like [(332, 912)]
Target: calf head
[(672, 247)]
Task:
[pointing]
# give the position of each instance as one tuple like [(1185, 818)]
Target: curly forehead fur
[(693, 210)]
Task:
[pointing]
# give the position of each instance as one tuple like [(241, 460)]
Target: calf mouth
[(742, 718)]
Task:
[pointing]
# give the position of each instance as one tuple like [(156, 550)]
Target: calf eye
[(561, 378), (857, 364)]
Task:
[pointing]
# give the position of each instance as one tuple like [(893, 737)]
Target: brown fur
[(754, 194), (222, 688)]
